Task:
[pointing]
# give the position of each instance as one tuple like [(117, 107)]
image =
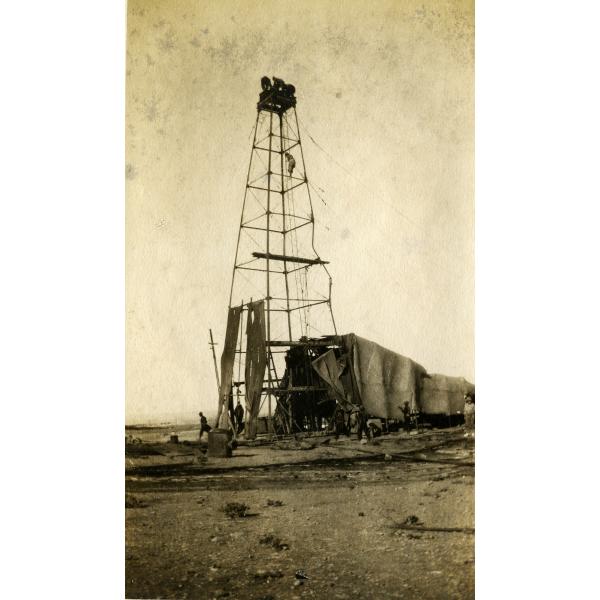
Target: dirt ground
[(331, 509)]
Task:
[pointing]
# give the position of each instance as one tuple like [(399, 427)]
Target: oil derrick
[(280, 296)]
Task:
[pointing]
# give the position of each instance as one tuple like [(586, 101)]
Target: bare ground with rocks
[(393, 519)]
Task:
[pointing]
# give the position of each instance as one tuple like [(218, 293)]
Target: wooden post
[(212, 345)]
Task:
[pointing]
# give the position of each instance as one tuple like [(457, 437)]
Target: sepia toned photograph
[(280, 246), (300, 276)]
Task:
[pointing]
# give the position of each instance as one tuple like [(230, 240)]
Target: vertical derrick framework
[(276, 260)]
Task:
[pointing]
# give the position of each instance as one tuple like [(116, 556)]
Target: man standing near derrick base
[(239, 417), (339, 422), (361, 423), (204, 426)]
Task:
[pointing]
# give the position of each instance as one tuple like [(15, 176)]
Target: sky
[(386, 107)]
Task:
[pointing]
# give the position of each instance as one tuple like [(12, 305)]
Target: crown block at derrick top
[(277, 96)]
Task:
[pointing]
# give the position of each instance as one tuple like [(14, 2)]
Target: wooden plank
[(290, 343), (299, 388), (435, 529), (294, 259)]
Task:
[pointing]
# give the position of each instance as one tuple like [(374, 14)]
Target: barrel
[(219, 443)]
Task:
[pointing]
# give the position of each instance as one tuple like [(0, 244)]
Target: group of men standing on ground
[(238, 421), (357, 420), (344, 423)]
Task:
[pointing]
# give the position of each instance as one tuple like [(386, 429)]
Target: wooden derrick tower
[(280, 296)]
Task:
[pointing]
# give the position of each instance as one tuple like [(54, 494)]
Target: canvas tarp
[(444, 395), (330, 369), (385, 379), (227, 358), (256, 362)]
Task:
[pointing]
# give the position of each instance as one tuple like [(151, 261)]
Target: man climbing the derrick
[(291, 163)]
